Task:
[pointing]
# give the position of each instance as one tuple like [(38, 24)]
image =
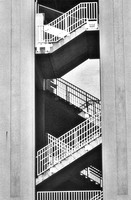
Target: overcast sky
[(86, 76)]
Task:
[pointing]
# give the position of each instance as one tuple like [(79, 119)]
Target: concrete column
[(5, 43), (115, 59), (17, 138)]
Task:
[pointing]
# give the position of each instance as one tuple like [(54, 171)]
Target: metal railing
[(69, 143), (74, 95), (70, 195), (68, 22), (95, 175), (57, 141)]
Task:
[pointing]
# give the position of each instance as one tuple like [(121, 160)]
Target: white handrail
[(68, 22), (75, 96), (70, 195), (75, 139), (95, 175)]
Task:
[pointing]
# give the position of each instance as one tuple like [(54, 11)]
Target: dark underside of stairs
[(54, 115), (61, 116), (70, 55)]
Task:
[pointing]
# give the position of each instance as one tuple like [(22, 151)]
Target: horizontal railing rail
[(95, 175), (95, 170), (67, 144), (76, 96), (58, 142), (68, 22), (70, 195)]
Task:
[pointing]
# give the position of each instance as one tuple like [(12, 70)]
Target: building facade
[(17, 101)]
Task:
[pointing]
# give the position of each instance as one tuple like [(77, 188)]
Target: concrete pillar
[(115, 60), (17, 138)]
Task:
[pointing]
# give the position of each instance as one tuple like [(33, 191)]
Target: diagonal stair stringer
[(69, 159)]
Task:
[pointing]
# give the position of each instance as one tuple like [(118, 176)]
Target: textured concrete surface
[(17, 88), (17, 145), (115, 54)]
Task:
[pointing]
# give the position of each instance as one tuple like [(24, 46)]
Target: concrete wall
[(17, 147), (115, 54)]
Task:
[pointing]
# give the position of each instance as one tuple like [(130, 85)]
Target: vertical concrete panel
[(15, 154), (5, 43), (127, 54), (108, 96), (17, 138), (120, 99), (27, 101), (115, 74), (22, 101)]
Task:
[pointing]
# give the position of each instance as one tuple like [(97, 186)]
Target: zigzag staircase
[(82, 17), (62, 151), (70, 146)]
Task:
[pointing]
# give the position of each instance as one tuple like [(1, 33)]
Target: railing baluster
[(70, 195), (68, 22), (77, 96), (76, 138)]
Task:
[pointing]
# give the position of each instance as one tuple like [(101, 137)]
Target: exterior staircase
[(64, 150), (60, 152), (66, 27)]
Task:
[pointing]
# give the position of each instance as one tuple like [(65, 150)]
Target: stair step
[(68, 160), (66, 24), (65, 162)]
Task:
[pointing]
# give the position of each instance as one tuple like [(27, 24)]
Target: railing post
[(67, 144), (76, 142), (88, 172), (101, 182), (67, 94), (86, 103), (38, 164), (56, 86), (71, 21), (66, 24), (93, 104), (39, 29)]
